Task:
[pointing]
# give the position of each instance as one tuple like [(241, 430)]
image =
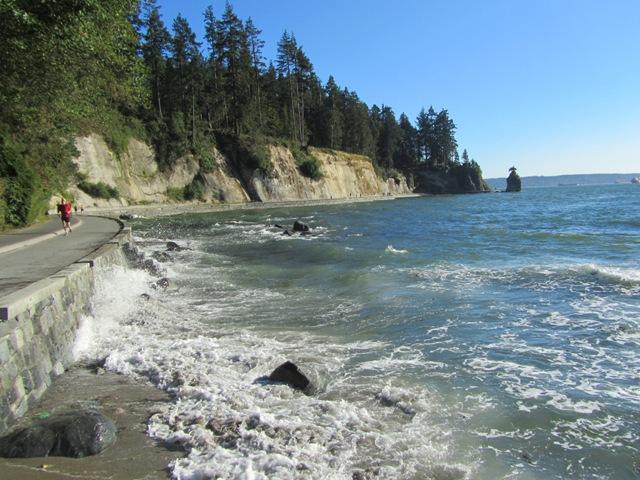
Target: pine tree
[(154, 50)]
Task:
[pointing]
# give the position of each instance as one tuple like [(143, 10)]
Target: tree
[(154, 49), (407, 154), (388, 137), (187, 67)]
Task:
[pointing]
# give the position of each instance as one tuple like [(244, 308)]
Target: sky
[(550, 86)]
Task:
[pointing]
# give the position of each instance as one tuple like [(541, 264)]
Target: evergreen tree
[(154, 50), (407, 153)]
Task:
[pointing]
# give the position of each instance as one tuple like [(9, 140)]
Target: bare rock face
[(74, 434), (289, 373)]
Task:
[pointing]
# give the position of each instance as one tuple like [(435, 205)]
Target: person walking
[(64, 209)]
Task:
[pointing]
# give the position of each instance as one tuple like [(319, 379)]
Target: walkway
[(30, 254)]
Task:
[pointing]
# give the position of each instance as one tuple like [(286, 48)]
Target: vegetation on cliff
[(514, 183), (114, 67)]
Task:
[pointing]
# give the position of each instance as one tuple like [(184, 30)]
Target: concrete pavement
[(31, 254)]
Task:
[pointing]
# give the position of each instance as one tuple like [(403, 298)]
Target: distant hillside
[(559, 180)]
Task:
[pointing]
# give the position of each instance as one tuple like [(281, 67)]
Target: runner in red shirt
[(64, 209)]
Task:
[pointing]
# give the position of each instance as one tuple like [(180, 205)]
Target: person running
[(64, 209)]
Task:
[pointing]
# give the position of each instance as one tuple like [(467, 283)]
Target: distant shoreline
[(168, 209)]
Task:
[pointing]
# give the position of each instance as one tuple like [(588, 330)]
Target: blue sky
[(550, 86)]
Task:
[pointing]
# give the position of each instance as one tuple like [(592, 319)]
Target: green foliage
[(308, 165), (195, 190), (98, 190), (245, 151), (22, 197), (176, 194)]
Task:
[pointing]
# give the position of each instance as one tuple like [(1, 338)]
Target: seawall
[(38, 327)]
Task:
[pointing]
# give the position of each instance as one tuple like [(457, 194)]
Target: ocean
[(450, 337)]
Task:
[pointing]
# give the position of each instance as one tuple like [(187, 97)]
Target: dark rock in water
[(151, 267), (161, 256), (145, 296), (298, 226), (76, 434), (286, 232), (289, 373), (514, 183), (174, 247), (126, 216), (164, 282)]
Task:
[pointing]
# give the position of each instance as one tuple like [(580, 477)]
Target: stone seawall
[(38, 328)]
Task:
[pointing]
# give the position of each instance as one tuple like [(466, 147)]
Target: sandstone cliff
[(138, 179)]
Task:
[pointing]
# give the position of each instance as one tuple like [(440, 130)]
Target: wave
[(390, 249), (234, 426)]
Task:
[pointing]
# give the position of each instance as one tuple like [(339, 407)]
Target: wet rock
[(126, 216), (227, 432), (174, 247), (76, 434), (298, 226), (145, 296), (151, 267), (161, 256), (164, 283), (286, 233), (289, 373)]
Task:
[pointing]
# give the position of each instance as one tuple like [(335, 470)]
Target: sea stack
[(514, 184)]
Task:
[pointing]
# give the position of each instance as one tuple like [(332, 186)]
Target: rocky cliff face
[(138, 179)]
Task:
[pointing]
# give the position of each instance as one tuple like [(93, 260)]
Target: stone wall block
[(39, 344), (5, 349), (17, 339)]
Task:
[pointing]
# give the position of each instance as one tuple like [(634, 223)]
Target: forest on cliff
[(113, 67)]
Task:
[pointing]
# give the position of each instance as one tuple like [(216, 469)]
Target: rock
[(161, 256), (514, 184), (151, 267), (126, 216), (164, 282), (298, 226), (76, 434), (145, 296), (286, 233), (174, 247), (289, 373)]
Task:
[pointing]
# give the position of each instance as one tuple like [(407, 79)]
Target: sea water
[(450, 337)]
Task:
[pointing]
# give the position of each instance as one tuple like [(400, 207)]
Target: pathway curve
[(31, 254)]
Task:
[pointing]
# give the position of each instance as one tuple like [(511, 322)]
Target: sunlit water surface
[(479, 336)]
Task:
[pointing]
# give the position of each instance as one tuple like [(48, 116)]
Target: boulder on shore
[(289, 373), (73, 434)]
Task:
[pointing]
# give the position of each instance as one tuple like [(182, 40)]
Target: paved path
[(34, 253)]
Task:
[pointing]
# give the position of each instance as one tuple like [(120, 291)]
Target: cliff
[(139, 180)]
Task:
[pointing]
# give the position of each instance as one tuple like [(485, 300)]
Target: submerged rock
[(76, 434), (289, 373), (174, 247), (161, 256), (298, 226)]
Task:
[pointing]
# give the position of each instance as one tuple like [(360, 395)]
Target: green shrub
[(98, 190), (308, 165), (23, 196), (176, 194), (195, 190), (246, 151)]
